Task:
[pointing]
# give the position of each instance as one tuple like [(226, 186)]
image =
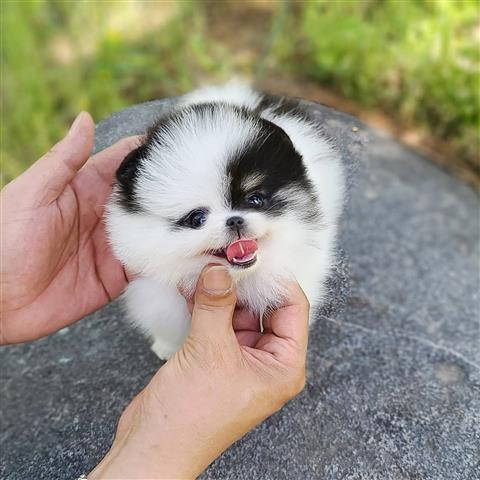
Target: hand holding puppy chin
[(225, 379)]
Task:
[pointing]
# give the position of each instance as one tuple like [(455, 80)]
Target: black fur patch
[(272, 157), (127, 175), (128, 172), (281, 106)]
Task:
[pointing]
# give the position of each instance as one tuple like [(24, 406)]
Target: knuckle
[(211, 308), (208, 353)]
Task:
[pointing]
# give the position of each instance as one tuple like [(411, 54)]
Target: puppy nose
[(235, 223)]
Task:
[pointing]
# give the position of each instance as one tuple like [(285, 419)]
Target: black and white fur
[(218, 152)]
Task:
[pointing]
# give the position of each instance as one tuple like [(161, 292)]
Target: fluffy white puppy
[(229, 176)]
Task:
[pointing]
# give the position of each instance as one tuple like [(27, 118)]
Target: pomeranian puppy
[(229, 176)]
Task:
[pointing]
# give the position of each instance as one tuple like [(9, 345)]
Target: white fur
[(186, 173)]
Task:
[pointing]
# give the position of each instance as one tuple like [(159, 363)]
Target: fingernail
[(217, 281), (76, 123)]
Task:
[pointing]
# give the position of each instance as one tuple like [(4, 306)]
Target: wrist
[(140, 456), (172, 430), (144, 447)]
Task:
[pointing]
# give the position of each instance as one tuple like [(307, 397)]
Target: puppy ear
[(127, 175), (128, 169)]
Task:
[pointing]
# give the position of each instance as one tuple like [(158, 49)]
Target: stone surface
[(393, 385)]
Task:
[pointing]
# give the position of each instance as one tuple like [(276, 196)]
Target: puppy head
[(212, 183)]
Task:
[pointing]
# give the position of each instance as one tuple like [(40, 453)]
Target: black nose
[(235, 223)]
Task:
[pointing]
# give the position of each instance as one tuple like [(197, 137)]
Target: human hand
[(225, 380), (56, 264)]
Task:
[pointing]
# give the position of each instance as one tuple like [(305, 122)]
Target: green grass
[(417, 60), (59, 58)]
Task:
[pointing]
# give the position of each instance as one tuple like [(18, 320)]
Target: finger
[(290, 321), (187, 296), (107, 161), (247, 338), (214, 303), (57, 168), (190, 305), (130, 275), (244, 319)]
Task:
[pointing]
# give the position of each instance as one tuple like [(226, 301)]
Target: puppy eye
[(195, 219), (256, 200)]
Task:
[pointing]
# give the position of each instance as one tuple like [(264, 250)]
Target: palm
[(59, 266), (83, 268)]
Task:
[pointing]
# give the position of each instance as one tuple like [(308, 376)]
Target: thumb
[(57, 168), (214, 303)]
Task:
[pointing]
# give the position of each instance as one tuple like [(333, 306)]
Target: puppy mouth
[(241, 253)]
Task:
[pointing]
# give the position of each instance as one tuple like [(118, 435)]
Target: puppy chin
[(188, 283), (238, 273)]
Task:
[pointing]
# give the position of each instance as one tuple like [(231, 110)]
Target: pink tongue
[(241, 249)]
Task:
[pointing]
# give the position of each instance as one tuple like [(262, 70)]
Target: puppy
[(229, 176)]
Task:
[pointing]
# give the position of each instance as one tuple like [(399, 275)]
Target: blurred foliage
[(59, 58), (418, 60)]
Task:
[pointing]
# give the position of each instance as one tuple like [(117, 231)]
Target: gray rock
[(394, 374)]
